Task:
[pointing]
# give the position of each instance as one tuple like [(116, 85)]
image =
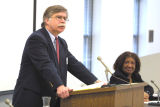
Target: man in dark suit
[(42, 73)]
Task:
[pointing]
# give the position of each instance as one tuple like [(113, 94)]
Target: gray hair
[(53, 10)]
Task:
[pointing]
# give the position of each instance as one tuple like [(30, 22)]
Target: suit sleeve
[(79, 70)]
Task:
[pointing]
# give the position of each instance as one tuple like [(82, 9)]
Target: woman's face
[(129, 65)]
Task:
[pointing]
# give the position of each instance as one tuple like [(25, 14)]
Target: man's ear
[(47, 20)]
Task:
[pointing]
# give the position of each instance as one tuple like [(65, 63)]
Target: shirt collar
[(51, 36)]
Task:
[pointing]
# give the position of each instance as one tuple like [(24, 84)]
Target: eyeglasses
[(60, 18)]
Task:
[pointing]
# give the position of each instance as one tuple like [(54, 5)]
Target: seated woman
[(127, 67)]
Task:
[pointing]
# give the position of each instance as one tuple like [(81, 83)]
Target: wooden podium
[(115, 96)]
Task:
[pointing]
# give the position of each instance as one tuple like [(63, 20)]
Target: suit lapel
[(54, 52), (50, 44)]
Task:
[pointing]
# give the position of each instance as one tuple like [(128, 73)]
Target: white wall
[(150, 69), (149, 20), (149, 52), (112, 32), (16, 25)]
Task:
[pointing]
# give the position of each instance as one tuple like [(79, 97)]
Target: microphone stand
[(106, 72), (108, 85), (158, 96)]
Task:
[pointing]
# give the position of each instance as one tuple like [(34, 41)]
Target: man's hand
[(63, 92), (98, 81)]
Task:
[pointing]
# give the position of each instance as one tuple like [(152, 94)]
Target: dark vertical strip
[(34, 14), (136, 26), (88, 16)]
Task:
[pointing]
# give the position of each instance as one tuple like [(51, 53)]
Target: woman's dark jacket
[(136, 78)]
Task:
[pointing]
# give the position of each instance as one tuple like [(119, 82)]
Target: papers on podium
[(92, 86), (99, 85), (155, 95)]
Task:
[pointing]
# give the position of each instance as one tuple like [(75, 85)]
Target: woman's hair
[(118, 65), (53, 10)]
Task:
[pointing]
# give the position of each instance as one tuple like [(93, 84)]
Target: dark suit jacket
[(39, 65)]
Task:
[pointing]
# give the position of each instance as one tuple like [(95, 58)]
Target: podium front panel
[(117, 96)]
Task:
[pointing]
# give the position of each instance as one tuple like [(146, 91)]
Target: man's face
[(56, 23), (129, 65)]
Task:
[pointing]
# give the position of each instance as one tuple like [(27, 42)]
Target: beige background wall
[(150, 69)]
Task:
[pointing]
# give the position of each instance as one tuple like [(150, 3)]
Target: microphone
[(107, 70), (158, 103), (7, 101)]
